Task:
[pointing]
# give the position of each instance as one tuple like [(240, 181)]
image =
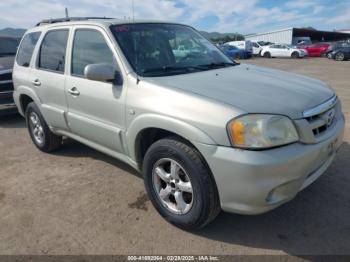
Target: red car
[(318, 49)]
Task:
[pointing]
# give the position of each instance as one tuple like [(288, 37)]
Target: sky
[(242, 16)]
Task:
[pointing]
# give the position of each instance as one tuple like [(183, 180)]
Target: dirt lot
[(79, 201)]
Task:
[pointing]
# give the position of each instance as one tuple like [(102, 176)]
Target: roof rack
[(69, 19)]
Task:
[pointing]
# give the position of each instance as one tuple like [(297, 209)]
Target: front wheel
[(267, 55), (339, 56), (180, 184), (295, 55)]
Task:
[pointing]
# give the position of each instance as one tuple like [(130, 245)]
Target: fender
[(173, 125), (23, 90)]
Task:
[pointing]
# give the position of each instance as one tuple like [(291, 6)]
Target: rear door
[(24, 60), (48, 76), (95, 109), (284, 51)]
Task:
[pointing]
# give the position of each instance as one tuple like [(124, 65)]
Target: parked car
[(317, 50), (235, 53), (335, 46), (301, 40), (181, 51), (8, 48), (207, 133), (258, 46), (340, 54), (244, 45), (282, 50)]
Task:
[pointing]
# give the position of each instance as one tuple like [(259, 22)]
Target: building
[(344, 31), (296, 35)]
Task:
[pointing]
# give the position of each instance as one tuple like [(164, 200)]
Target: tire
[(339, 56), (295, 55), (329, 55), (39, 131), (202, 205), (267, 55)]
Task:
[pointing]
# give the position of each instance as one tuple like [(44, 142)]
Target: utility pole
[(66, 10)]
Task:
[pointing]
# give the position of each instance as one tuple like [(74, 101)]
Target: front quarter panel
[(191, 116)]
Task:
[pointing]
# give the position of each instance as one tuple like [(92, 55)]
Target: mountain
[(12, 32)]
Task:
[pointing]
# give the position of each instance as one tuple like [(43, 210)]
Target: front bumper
[(253, 182)]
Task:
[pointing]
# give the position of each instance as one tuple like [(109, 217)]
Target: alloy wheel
[(36, 128), (339, 57), (172, 186)]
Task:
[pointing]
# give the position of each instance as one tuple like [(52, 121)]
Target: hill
[(222, 37), (12, 32)]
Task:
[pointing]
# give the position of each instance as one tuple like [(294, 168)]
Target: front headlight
[(259, 131)]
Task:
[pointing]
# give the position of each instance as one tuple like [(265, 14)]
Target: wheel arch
[(153, 128), (25, 96)]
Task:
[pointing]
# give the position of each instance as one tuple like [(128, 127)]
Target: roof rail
[(65, 19)]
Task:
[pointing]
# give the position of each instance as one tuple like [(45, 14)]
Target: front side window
[(53, 51), (26, 48), (89, 47), (167, 49)]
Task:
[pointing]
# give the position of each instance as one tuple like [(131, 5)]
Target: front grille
[(6, 76), (320, 123), (6, 87)]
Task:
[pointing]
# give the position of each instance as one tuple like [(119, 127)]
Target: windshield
[(167, 49), (8, 46)]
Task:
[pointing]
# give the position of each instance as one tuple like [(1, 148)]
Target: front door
[(95, 109)]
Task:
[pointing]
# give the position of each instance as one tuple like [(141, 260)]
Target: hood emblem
[(329, 117)]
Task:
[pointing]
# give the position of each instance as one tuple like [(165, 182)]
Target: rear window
[(53, 51), (26, 48)]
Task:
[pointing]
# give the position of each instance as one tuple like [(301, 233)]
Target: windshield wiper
[(218, 65), (172, 69), (166, 70)]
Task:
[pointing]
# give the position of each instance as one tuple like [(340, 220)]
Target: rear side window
[(53, 51), (25, 51), (89, 47)]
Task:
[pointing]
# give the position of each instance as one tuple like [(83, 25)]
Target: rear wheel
[(267, 55), (339, 56), (39, 131), (180, 184), (295, 55)]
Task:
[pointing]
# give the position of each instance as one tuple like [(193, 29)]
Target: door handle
[(74, 91), (37, 82)]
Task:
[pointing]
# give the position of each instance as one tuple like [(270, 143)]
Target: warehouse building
[(296, 35)]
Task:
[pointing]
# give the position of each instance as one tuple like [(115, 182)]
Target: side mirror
[(103, 73)]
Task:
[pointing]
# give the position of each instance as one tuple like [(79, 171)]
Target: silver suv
[(207, 133)]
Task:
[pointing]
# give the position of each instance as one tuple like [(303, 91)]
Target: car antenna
[(67, 15)]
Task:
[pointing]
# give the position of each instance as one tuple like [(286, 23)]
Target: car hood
[(6, 62), (253, 89)]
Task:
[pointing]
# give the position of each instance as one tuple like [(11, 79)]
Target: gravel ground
[(79, 201)]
